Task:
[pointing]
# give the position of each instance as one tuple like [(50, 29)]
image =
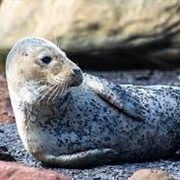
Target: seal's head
[(40, 63)]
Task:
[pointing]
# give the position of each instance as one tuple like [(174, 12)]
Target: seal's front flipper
[(106, 90), (124, 102), (133, 107), (117, 96)]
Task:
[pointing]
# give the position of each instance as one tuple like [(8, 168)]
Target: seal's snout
[(77, 76), (76, 72)]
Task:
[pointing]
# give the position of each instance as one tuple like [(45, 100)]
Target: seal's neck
[(25, 96), (32, 96), (31, 91)]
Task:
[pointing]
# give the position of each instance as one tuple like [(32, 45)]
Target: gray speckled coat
[(89, 123), (143, 124)]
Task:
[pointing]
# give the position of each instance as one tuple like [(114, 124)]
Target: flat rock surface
[(150, 174), (11, 145), (17, 171)]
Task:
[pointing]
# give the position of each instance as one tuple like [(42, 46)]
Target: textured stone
[(147, 31), (15, 171), (6, 112), (150, 174)]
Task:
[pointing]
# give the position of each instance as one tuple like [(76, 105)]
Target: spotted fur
[(98, 122)]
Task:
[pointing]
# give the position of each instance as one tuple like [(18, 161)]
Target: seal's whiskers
[(65, 87), (56, 94), (45, 92), (60, 87), (55, 88)]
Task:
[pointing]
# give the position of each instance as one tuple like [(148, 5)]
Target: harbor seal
[(68, 118)]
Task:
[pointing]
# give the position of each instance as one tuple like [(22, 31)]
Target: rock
[(6, 112), (15, 171), (150, 174), (132, 32), (4, 154)]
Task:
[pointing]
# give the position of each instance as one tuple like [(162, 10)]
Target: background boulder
[(95, 33)]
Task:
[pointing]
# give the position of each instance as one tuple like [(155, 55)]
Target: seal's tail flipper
[(81, 159)]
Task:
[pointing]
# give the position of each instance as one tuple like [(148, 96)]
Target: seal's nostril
[(76, 71)]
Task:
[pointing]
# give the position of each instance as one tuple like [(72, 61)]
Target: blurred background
[(126, 41), (98, 34)]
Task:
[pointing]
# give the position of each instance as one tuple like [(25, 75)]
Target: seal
[(68, 118)]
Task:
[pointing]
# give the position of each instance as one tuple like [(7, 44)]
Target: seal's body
[(71, 119)]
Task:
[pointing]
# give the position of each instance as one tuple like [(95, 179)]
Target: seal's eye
[(46, 59)]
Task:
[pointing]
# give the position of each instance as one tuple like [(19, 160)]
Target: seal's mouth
[(77, 79)]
